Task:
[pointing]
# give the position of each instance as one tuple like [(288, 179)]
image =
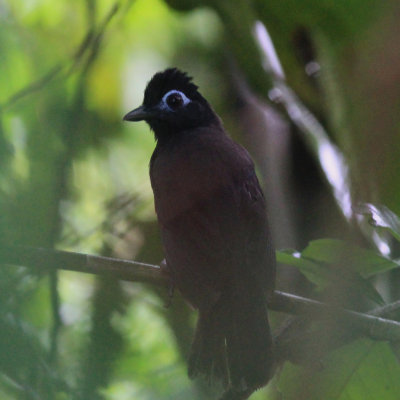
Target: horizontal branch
[(372, 325), (34, 257)]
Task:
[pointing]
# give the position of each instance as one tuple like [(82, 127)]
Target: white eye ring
[(164, 104)]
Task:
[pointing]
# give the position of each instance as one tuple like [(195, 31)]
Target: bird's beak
[(138, 114)]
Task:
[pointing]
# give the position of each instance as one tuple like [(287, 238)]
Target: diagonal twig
[(90, 39)]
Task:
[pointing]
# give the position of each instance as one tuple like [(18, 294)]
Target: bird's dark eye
[(175, 100)]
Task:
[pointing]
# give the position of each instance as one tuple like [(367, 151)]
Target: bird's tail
[(233, 340), (208, 354)]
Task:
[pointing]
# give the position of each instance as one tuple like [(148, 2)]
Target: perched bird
[(212, 215)]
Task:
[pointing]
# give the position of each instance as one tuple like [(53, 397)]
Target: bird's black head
[(172, 104)]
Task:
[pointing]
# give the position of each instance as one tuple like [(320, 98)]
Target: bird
[(212, 216)]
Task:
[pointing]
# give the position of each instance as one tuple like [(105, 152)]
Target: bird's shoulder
[(206, 152), (204, 165)]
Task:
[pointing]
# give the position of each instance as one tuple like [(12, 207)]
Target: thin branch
[(91, 38), (373, 326), (387, 309), (56, 259), (33, 87), (21, 388)]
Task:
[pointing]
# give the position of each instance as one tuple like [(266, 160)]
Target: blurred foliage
[(367, 371), (73, 176)]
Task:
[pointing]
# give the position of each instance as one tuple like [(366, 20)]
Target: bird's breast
[(183, 181)]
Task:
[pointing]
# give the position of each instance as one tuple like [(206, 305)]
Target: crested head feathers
[(170, 79), (172, 105)]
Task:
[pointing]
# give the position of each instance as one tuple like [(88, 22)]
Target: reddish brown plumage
[(212, 216)]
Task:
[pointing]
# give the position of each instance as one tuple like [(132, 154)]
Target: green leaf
[(366, 262), (327, 262), (361, 370), (381, 217), (313, 271)]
